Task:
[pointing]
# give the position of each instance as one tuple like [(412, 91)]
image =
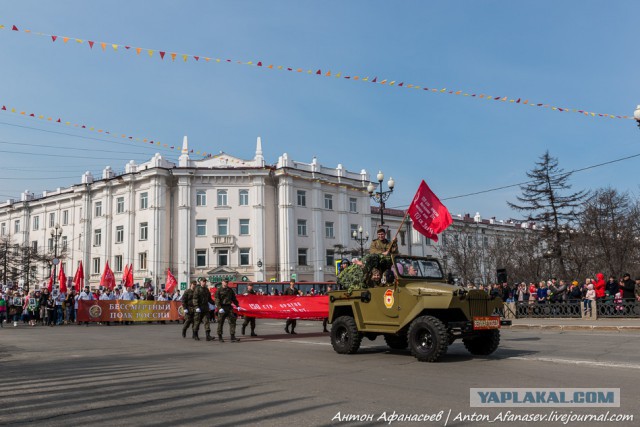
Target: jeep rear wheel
[(428, 339), (483, 344), (397, 341), (345, 337)]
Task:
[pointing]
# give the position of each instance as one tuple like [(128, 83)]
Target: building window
[(201, 198), (97, 237), (245, 256), (3, 229), (353, 205), (63, 243), (142, 260), (353, 228), (16, 226), (244, 227), (223, 257), (330, 257), (117, 263), (144, 230), (201, 227), (50, 244), (244, 197), (96, 266), (52, 219), (120, 205), (328, 201), (201, 258), (34, 246), (302, 227), (120, 234), (98, 209), (328, 230), (302, 198), (36, 222), (302, 256), (223, 227), (65, 217), (222, 197), (402, 234), (144, 200)]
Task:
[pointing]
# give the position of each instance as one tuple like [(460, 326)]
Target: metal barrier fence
[(575, 309)]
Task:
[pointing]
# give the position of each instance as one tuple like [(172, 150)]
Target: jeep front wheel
[(428, 339), (345, 337), (484, 344)]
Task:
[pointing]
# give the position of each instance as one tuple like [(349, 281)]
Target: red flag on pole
[(171, 282), (107, 280), (50, 284), (128, 282), (62, 279), (78, 278), (125, 273), (430, 217)]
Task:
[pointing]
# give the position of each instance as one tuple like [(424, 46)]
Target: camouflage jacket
[(380, 246), (226, 296), (187, 298)]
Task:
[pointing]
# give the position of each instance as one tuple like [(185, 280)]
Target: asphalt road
[(148, 374)]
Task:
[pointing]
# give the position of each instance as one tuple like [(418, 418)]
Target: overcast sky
[(570, 54)]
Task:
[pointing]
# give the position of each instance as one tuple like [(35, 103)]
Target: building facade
[(217, 217)]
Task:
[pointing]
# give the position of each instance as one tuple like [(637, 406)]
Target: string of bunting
[(9, 109), (383, 81)]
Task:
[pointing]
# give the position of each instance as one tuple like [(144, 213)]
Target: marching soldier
[(201, 300), (383, 246), (187, 298), (224, 298), (291, 291), (249, 320)]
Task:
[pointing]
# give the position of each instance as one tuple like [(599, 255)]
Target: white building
[(217, 217)]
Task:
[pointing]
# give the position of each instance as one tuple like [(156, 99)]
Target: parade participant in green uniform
[(206, 309), (197, 301), (291, 290), (224, 298), (249, 320), (187, 298), (383, 246)]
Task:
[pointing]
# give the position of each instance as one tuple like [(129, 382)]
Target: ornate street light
[(636, 115), (55, 233), (380, 196), (361, 239)]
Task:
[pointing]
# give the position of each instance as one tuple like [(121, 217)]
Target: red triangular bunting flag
[(401, 84), (318, 72), (196, 57), (91, 44), (53, 38), (375, 79), (14, 28), (58, 121), (162, 54), (32, 115), (127, 47), (4, 108), (259, 64)]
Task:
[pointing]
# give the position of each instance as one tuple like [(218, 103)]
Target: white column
[(183, 229), (286, 236), (317, 229), (258, 227)]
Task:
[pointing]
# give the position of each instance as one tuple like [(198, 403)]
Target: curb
[(574, 327)]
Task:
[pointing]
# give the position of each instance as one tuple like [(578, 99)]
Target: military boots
[(220, 338), (234, 339), (195, 336), (209, 337)]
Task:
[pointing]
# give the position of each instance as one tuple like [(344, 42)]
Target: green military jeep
[(418, 310)]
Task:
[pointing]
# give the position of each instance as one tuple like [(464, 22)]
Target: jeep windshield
[(418, 268)]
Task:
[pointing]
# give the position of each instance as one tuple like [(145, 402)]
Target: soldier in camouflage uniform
[(224, 298), (203, 297), (383, 246), (188, 308)]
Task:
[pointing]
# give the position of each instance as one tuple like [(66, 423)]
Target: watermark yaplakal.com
[(544, 397)]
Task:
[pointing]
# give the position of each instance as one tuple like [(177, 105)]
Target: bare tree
[(545, 204)]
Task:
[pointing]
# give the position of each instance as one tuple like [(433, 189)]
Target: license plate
[(486, 322)]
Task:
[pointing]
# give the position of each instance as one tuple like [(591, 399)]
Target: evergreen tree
[(544, 202)]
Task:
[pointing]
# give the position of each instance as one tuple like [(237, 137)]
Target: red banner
[(430, 217), (284, 307), (130, 311)]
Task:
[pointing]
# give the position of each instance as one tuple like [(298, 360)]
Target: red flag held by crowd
[(128, 281), (50, 284), (430, 217), (171, 282), (78, 279), (62, 279), (125, 273), (107, 280)]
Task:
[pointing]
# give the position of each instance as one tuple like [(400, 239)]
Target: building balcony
[(223, 241)]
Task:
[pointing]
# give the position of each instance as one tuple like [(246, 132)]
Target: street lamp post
[(361, 239), (636, 115), (55, 233), (380, 196)]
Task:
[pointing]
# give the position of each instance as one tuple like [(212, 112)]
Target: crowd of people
[(612, 291)]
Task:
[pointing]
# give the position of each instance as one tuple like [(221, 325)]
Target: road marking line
[(303, 342), (578, 362)]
